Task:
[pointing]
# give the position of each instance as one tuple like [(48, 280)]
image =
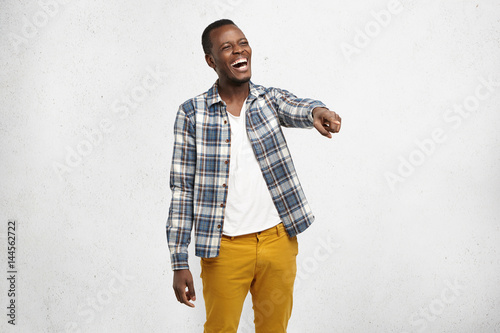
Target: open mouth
[(240, 64)]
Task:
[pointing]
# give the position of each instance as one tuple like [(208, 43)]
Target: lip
[(243, 68)]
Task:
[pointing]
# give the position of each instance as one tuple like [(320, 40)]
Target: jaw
[(234, 80), (240, 78), (233, 76)]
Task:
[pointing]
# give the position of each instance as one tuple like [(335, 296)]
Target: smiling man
[(233, 180)]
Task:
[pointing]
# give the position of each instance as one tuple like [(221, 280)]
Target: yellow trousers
[(263, 263)]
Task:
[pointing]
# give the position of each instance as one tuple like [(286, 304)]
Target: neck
[(232, 92)]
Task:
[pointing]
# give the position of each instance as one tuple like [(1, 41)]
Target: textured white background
[(394, 252)]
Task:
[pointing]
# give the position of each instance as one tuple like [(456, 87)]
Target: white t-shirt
[(249, 206)]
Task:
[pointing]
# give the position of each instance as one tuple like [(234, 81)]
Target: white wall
[(419, 253)]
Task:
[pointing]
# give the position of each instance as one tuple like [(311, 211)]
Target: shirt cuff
[(179, 261), (315, 105), (310, 115)]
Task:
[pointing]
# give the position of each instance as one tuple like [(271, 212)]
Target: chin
[(242, 80)]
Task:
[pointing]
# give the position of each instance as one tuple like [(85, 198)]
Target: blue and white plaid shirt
[(200, 166)]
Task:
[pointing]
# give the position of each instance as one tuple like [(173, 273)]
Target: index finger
[(321, 129)]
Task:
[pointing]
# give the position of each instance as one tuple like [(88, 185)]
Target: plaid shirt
[(200, 166)]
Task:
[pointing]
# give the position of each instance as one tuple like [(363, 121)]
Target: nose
[(237, 49)]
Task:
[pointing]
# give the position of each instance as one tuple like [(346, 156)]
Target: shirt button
[(218, 226), (222, 205), (226, 162), (225, 121), (227, 140), (224, 185)]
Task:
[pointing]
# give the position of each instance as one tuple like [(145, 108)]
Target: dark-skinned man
[(233, 182)]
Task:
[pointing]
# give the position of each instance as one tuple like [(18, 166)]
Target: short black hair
[(205, 37)]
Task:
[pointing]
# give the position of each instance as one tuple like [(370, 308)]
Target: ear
[(210, 60)]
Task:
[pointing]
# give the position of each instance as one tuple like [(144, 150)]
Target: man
[(233, 179)]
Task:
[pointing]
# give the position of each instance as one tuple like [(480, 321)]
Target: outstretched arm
[(292, 110), (304, 113)]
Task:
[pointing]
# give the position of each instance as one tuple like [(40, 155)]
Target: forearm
[(294, 111), (179, 226)]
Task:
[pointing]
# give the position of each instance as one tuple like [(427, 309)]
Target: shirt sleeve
[(294, 111), (182, 174)]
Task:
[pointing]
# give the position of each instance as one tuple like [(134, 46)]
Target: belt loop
[(278, 230)]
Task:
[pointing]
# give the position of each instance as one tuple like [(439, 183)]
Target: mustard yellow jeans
[(263, 263)]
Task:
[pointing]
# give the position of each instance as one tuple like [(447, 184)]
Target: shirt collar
[(213, 96)]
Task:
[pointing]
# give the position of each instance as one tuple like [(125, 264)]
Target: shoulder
[(190, 106), (259, 90), (269, 91), (202, 102)]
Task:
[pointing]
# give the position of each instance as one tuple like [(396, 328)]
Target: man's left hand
[(326, 121)]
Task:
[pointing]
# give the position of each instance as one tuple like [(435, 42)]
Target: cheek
[(220, 63), (223, 61)]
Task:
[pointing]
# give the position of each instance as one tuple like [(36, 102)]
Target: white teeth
[(239, 61)]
